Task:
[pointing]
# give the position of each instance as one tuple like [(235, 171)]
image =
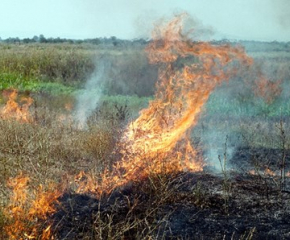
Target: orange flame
[(159, 140), (13, 110), (189, 72), (24, 213), (267, 172)]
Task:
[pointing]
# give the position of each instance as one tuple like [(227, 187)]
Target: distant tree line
[(96, 41), (251, 46)]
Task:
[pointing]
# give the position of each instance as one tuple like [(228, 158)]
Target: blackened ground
[(246, 158), (233, 205)]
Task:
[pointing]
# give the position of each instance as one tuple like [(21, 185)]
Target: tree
[(35, 38), (42, 39)]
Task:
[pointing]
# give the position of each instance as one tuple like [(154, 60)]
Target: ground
[(204, 205)]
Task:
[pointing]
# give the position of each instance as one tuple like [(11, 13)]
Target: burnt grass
[(206, 205)]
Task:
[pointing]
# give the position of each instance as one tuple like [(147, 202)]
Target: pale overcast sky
[(264, 20)]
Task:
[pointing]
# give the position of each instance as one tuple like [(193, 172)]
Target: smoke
[(281, 9), (220, 149), (143, 23), (197, 31), (222, 130), (193, 28), (215, 133), (88, 98)]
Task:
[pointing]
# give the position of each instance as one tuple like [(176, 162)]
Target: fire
[(25, 214), (268, 172), (19, 112), (159, 140), (252, 172), (189, 72)]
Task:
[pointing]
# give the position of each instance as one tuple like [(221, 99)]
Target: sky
[(261, 20)]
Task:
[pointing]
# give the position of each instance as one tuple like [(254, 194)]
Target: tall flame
[(159, 140), (189, 72)]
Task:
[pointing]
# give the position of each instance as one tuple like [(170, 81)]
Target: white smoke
[(88, 98), (219, 150), (216, 131)]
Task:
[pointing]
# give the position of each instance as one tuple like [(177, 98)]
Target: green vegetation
[(66, 64), (256, 108), (30, 84), (33, 66)]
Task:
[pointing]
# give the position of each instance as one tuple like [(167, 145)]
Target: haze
[(266, 20)]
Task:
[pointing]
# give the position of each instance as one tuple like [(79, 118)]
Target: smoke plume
[(281, 9), (88, 98)]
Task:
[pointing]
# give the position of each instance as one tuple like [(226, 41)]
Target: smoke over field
[(207, 156), (88, 99)]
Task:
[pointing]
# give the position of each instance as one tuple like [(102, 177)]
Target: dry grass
[(52, 150), (48, 149)]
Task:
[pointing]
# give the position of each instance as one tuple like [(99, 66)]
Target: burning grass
[(161, 204), (145, 179), (13, 110), (180, 206), (166, 206), (48, 152)]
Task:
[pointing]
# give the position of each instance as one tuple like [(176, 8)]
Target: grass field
[(50, 149)]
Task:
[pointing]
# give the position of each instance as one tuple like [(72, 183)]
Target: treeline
[(251, 46), (114, 41), (256, 46)]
